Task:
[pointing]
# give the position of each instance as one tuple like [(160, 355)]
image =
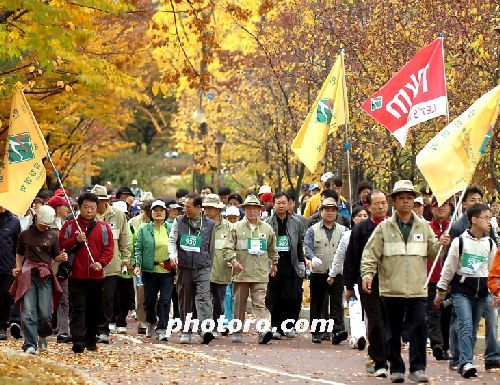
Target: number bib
[(191, 242), (471, 263), (282, 243), (256, 246)]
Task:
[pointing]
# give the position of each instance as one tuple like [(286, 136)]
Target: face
[(442, 212), (338, 189), (204, 192), (281, 205), (37, 204), (173, 213), (329, 214), (418, 209), (212, 212), (495, 209), (146, 217), (363, 194), (233, 202), (361, 216), (233, 218), (42, 227), (129, 199), (483, 222), (190, 209), (291, 206), (224, 199), (378, 207), (62, 211), (88, 210), (158, 213), (315, 191), (471, 200), (252, 212), (403, 202), (427, 199), (102, 205)]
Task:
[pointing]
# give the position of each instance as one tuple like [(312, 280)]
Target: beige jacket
[(118, 223), (221, 272)]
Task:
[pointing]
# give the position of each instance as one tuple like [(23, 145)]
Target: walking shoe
[(141, 330), (236, 338), (338, 337), (380, 373), (78, 347), (133, 314), (63, 338), (216, 335), (361, 343), (370, 367), (325, 336), (112, 328), (30, 350), (290, 334), (276, 336), (265, 337), (468, 371), (185, 338), (439, 354), (207, 337), (397, 378), (42, 344), (162, 336), (492, 365), (224, 332), (150, 330), (418, 376), (316, 339), (103, 339), (3, 335), (121, 330), (453, 366), (91, 346), (15, 330)]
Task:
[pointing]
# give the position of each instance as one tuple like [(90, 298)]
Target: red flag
[(415, 94)]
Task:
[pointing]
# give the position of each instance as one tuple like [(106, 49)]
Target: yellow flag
[(328, 111), (449, 160), (22, 172)]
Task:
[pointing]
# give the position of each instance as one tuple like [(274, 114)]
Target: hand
[(367, 285), (439, 300), (349, 294), (62, 257), (329, 280), (274, 270), (308, 264), (316, 262), (16, 271), (174, 261), (444, 240), (495, 301), (127, 265), (237, 267), (137, 271), (96, 266), (81, 237)]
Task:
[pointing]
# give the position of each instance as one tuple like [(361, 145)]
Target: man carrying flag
[(328, 111)]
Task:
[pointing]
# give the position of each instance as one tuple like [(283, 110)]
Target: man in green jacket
[(250, 247), (398, 250)]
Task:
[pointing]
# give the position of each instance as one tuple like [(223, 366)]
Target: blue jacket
[(9, 232)]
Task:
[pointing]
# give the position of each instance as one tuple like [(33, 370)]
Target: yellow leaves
[(156, 88)]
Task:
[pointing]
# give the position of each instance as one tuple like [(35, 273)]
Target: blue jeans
[(228, 304), (492, 353), (469, 312), (37, 310), (155, 283)]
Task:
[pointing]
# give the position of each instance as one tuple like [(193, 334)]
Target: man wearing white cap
[(35, 282), (134, 186), (315, 201)]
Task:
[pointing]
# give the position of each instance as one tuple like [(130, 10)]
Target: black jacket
[(357, 242), (9, 232)]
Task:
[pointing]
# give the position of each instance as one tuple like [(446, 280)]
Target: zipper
[(477, 291)]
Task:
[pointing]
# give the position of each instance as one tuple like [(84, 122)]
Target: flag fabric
[(328, 111), (448, 161), (22, 172), (414, 95)]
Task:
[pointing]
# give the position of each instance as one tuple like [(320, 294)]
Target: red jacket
[(101, 246), (439, 228)]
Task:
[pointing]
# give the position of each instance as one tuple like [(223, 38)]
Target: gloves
[(316, 262)]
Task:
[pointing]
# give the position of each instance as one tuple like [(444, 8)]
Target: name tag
[(471, 263), (256, 246), (191, 242), (282, 243)]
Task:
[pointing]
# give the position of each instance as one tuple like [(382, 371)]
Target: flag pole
[(346, 137), (447, 232), (56, 173), (441, 37)]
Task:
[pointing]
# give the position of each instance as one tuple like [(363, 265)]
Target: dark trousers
[(433, 319), (124, 301), (373, 308), (320, 289), (109, 305), (85, 296), (281, 309), (412, 311), (175, 303), (6, 299), (155, 283), (218, 292), (298, 302), (194, 283)]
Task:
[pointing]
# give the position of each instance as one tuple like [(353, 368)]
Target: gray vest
[(325, 249), (193, 259)]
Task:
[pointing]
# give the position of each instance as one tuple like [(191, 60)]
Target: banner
[(328, 111), (449, 160), (22, 172), (414, 95)]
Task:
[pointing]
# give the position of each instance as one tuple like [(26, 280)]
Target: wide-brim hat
[(251, 200), (404, 186), (328, 202), (101, 192), (124, 190), (213, 200), (146, 196)]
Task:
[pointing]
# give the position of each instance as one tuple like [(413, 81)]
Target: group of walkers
[(201, 256)]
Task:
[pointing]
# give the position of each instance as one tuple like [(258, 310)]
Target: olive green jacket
[(221, 272)]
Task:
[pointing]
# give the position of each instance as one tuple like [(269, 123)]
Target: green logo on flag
[(324, 111), (20, 148), (376, 103)]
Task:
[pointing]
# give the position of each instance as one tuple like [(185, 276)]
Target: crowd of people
[(82, 268)]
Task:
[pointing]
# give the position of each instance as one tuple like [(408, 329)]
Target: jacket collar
[(245, 220)]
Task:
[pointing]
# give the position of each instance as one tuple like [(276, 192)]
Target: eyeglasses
[(486, 218)]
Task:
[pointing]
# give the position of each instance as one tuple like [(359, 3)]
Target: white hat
[(213, 200), (45, 215), (134, 181), (326, 176), (419, 200), (232, 210), (158, 203), (120, 205), (264, 189), (146, 196), (101, 192)]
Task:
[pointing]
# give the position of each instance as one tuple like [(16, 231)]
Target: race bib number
[(282, 243), (471, 263), (256, 246), (191, 242)]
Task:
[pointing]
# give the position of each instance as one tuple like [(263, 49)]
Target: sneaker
[(453, 366), (42, 344), (325, 337), (338, 337), (15, 330), (133, 314), (121, 330), (207, 337), (370, 367), (162, 336), (216, 335), (150, 330), (418, 376), (78, 347), (141, 330), (30, 350), (112, 328), (91, 346), (103, 339), (361, 343), (63, 338), (380, 373), (397, 378), (265, 337), (468, 371), (3, 335), (236, 338), (439, 354), (492, 365), (224, 332), (276, 336), (290, 334), (185, 338), (316, 339)]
